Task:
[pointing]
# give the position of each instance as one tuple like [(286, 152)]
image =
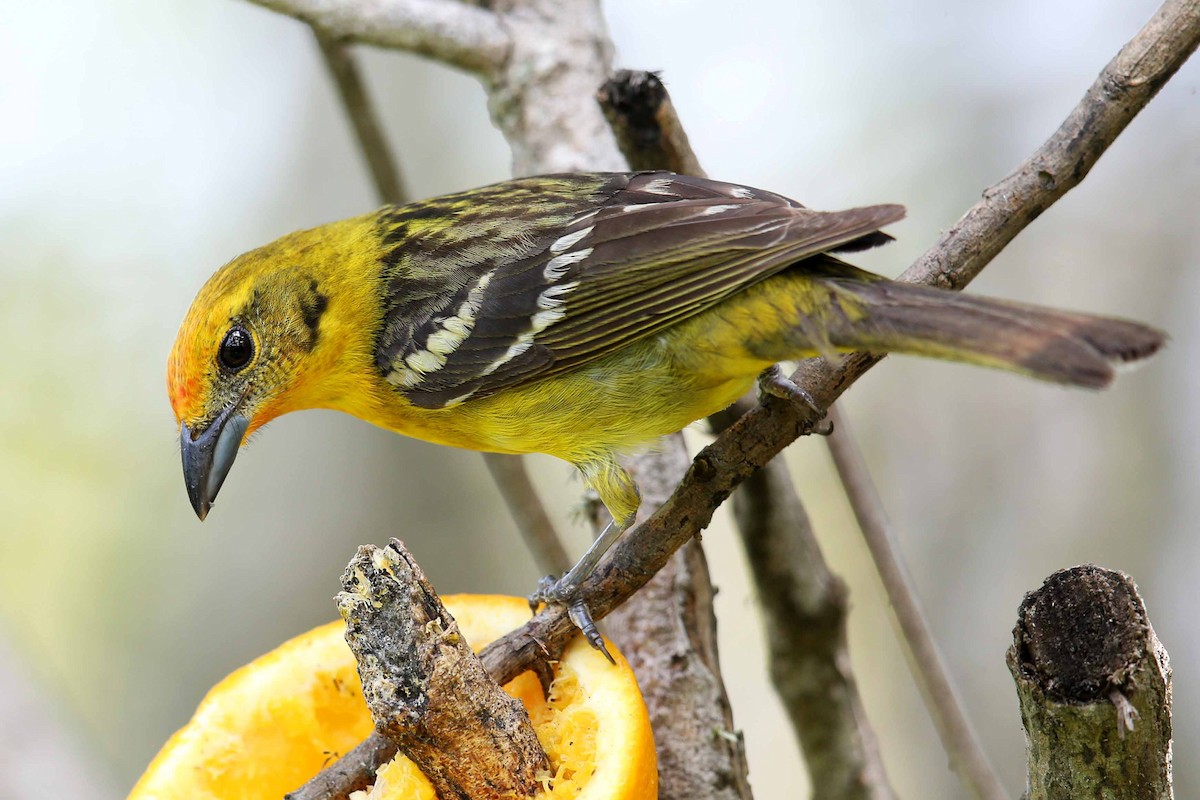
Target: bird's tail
[(1057, 346)]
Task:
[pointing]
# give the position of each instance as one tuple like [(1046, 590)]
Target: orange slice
[(274, 723)]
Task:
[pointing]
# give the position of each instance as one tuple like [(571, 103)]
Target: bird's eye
[(237, 348)]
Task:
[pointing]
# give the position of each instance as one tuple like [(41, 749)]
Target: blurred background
[(144, 144)]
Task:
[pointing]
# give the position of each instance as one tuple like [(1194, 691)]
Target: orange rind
[(275, 723)]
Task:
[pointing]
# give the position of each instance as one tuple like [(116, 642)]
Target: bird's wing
[(566, 276)]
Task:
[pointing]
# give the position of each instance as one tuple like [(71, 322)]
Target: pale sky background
[(144, 144)]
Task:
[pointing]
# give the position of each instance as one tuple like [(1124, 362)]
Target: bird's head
[(267, 334)]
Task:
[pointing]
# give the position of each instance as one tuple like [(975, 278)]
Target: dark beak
[(208, 455)]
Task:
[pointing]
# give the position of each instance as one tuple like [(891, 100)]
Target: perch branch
[(1125, 86), (343, 68), (1094, 684), (427, 691), (803, 603), (457, 34), (508, 472), (668, 629), (967, 756)]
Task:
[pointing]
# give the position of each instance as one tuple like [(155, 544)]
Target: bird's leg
[(619, 494), (772, 382), (565, 590)]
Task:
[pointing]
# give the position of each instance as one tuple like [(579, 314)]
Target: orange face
[(252, 346)]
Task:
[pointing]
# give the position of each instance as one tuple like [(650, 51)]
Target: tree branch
[(527, 511), (803, 603), (1163, 44), (643, 119), (804, 606), (456, 34), (1094, 684), (343, 68), (967, 756), (508, 472), (427, 691), (667, 631), (670, 626), (540, 61), (1124, 87)]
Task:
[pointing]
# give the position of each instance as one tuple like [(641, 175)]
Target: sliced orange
[(274, 723)]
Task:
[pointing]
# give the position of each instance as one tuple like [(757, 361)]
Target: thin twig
[(343, 67), (805, 608), (458, 34), (1126, 85), (803, 603), (959, 739), (1123, 88), (527, 511), (352, 772), (508, 472)]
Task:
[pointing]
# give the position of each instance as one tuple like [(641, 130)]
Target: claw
[(579, 614), (544, 593), (566, 590), (559, 592), (773, 383)]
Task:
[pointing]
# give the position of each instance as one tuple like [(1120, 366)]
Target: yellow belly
[(618, 403), (642, 391)]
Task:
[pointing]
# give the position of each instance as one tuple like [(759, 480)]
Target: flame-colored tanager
[(579, 315)]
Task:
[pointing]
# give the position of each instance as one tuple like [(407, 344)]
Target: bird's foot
[(774, 383), (560, 592)]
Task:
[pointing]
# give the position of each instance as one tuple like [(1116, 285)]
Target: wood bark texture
[(1094, 685), (427, 691)]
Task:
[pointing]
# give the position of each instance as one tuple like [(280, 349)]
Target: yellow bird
[(579, 315)]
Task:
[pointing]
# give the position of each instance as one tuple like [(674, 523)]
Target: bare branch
[(668, 629), (805, 609), (1124, 87), (763, 432), (385, 172), (959, 739), (426, 689), (508, 472), (1094, 684), (804, 604), (456, 34), (643, 118), (542, 100), (527, 511), (352, 772), (668, 632)]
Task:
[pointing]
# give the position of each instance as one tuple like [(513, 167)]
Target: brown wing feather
[(646, 253)]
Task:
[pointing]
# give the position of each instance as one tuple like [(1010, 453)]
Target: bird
[(581, 315)]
